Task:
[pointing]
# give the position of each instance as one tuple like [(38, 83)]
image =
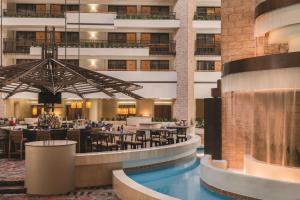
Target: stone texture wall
[(238, 39), (185, 61)]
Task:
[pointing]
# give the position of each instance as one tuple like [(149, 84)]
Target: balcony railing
[(13, 46), (157, 16), (205, 16), (207, 48), (33, 14)]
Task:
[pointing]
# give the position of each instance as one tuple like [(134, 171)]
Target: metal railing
[(157, 16), (206, 16), (207, 48), (13, 46), (33, 14)]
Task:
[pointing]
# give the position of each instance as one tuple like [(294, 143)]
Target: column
[(185, 36), (93, 113), (238, 42)]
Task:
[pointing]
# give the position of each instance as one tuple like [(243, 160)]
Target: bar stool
[(17, 141), (74, 135)]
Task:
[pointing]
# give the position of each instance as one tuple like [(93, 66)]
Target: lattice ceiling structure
[(56, 76)]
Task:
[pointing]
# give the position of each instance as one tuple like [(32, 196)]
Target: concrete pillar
[(93, 113), (185, 36)]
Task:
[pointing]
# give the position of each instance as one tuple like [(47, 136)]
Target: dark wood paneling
[(271, 5), (212, 128), (275, 61)]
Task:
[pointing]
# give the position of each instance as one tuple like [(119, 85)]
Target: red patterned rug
[(82, 194), (12, 170)]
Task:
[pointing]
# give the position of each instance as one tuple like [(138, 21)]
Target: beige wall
[(145, 107), (109, 108)]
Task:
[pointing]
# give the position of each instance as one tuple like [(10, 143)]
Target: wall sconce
[(34, 110), (79, 105), (93, 62), (73, 105), (93, 7), (88, 105), (93, 35)]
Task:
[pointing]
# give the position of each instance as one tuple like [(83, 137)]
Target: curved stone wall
[(95, 169)]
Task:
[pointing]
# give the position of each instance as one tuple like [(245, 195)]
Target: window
[(206, 38), (159, 65), (25, 8), (156, 10), (126, 110), (117, 37), (70, 7), (120, 10), (159, 38), (25, 36), (205, 65), (115, 65), (72, 37), (208, 13)]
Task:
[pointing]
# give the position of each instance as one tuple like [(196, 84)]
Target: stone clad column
[(185, 63), (238, 42)]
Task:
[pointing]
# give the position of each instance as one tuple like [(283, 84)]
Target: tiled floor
[(13, 170)]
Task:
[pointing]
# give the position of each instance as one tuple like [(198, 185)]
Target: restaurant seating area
[(93, 137)]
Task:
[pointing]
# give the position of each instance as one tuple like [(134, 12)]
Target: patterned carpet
[(82, 194), (12, 170)]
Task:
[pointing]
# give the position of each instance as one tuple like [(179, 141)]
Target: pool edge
[(128, 189)]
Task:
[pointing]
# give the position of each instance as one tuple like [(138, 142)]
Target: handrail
[(206, 16), (206, 48), (158, 16), (13, 46), (33, 14)]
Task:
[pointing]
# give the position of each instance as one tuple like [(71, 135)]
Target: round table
[(50, 167)]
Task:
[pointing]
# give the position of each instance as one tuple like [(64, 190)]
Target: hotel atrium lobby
[(150, 100)]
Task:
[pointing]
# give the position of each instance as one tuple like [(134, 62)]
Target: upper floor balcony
[(93, 48), (90, 20), (207, 21), (202, 48)]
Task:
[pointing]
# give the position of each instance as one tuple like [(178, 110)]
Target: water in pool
[(181, 181)]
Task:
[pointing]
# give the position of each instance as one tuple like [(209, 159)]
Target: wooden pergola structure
[(57, 76)]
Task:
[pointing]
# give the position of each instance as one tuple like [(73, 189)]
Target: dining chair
[(74, 135), (16, 143), (157, 139), (43, 135)]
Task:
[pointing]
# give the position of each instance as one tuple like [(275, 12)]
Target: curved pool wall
[(238, 184), (179, 181), (95, 169)]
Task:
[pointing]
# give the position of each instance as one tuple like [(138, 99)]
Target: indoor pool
[(181, 181)]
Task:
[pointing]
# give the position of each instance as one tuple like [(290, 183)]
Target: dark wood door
[(163, 111), (213, 128)]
